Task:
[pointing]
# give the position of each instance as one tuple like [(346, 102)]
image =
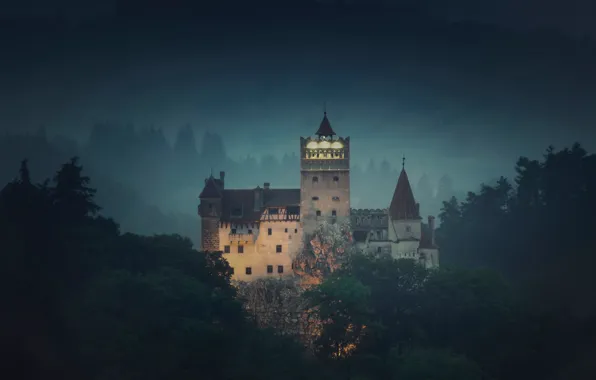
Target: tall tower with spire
[(324, 177), (405, 223), (210, 211)]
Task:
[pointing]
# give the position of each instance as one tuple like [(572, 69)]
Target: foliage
[(324, 251)]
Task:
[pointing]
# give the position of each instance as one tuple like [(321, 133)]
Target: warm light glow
[(337, 145), (324, 144), (312, 145)]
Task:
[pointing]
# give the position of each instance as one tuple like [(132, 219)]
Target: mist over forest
[(151, 186)]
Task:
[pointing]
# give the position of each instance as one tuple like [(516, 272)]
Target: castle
[(260, 230)]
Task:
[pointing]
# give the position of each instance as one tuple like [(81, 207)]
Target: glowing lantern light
[(324, 144), (337, 145), (312, 145)]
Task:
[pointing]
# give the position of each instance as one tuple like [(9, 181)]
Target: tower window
[(226, 249), (335, 199), (333, 213), (278, 248), (315, 198), (318, 212), (248, 270), (269, 231), (240, 249), (280, 269), (315, 179), (336, 179), (269, 268)]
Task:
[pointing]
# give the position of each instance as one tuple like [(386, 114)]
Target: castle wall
[(405, 229), (326, 192), (210, 237), (260, 248)]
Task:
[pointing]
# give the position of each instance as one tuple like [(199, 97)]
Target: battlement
[(368, 211)]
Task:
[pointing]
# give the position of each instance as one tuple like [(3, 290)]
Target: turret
[(325, 177), (210, 212)]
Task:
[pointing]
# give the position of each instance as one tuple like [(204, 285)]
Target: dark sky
[(465, 98)]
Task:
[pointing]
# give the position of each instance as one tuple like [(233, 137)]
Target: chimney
[(266, 185), (431, 228), (258, 204), (222, 176)]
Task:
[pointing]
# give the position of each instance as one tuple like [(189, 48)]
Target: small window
[(378, 249), (250, 231), (268, 231), (240, 249), (336, 179), (333, 213), (233, 231), (226, 249), (335, 199), (269, 268), (273, 211), (315, 179), (408, 229), (315, 198), (318, 212), (278, 248), (231, 270), (286, 230), (248, 270), (296, 230), (280, 269)]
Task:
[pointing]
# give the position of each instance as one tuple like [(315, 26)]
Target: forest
[(512, 299), (151, 185)]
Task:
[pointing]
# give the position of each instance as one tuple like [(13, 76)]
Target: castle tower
[(210, 212), (405, 223), (324, 177)]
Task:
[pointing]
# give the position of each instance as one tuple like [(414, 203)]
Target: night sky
[(462, 89)]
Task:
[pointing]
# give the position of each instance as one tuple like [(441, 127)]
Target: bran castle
[(261, 230)]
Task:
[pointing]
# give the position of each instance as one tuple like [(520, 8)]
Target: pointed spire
[(403, 162), (211, 189), (403, 205), (325, 127)]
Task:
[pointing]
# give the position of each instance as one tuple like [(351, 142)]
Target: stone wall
[(210, 234)]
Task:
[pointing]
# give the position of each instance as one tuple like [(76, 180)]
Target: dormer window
[(273, 211)]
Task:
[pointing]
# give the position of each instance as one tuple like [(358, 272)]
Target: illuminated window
[(278, 248), (269, 268), (248, 270), (318, 212), (240, 249), (226, 249), (280, 269)]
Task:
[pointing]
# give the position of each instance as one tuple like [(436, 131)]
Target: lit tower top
[(325, 151)]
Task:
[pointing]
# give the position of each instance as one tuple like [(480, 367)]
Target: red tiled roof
[(403, 205), (325, 127), (238, 205), (212, 188)]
